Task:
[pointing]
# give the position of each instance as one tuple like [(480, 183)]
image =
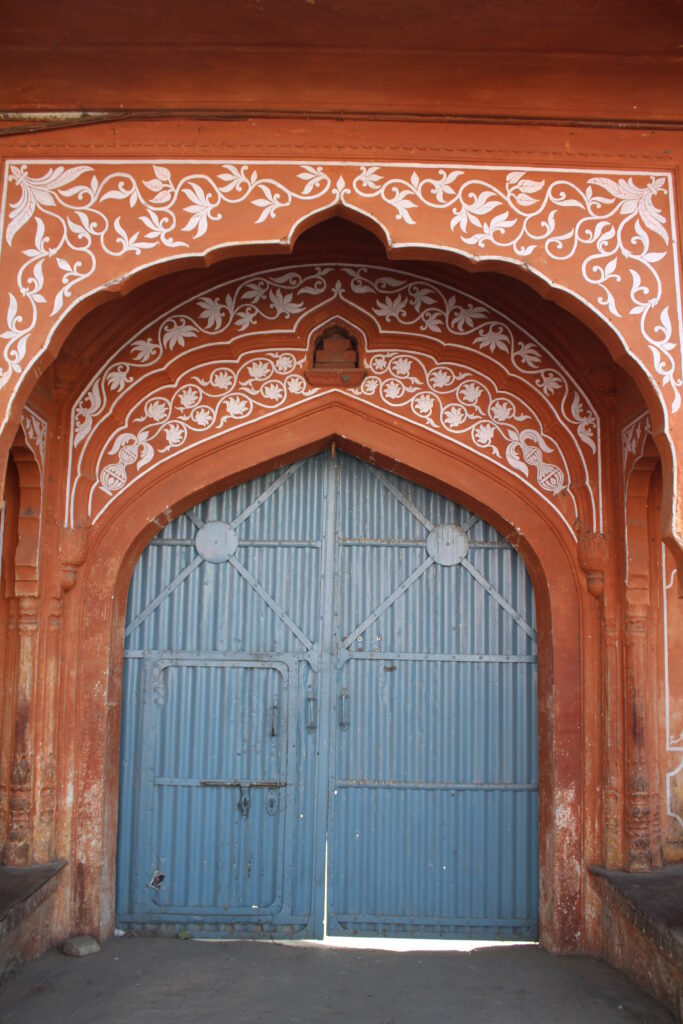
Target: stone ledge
[(643, 918), (23, 889)]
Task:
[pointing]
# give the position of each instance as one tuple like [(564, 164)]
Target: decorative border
[(219, 396), (613, 237), (401, 305)]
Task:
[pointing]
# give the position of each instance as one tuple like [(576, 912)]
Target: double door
[(329, 717)]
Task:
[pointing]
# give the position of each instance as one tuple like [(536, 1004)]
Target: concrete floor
[(154, 980)]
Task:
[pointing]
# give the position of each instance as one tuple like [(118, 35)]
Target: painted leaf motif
[(144, 349), (211, 311), (146, 455), (527, 185), (284, 305), (20, 215), (369, 177), (528, 354), (157, 410), (513, 459), (176, 333), (653, 219), (313, 176), (390, 308), (454, 416), (513, 177), (614, 188), (118, 378)]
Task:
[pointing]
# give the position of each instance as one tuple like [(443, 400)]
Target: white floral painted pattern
[(471, 409), (218, 396), (64, 218), (431, 310)]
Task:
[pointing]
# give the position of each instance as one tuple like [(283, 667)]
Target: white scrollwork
[(77, 215), (452, 399), (218, 396), (611, 225), (400, 304), (615, 230), (198, 404)]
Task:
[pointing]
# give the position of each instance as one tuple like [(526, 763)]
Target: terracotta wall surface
[(575, 62), (120, 244)]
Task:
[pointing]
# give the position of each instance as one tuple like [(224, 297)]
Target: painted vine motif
[(400, 304), (216, 397), (61, 220)]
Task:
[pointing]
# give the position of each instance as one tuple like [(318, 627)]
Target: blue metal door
[(433, 821), (329, 712)]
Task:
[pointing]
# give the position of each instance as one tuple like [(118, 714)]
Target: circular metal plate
[(447, 544), (216, 541)]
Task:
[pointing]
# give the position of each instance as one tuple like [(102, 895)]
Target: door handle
[(311, 710), (343, 709), (274, 719)]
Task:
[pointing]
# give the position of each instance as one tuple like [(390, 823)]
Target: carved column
[(18, 844), (72, 549), (6, 732), (611, 742), (638, 776), (594, 554), (44, 830)]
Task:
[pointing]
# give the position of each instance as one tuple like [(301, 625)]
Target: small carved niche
[(335, 359)]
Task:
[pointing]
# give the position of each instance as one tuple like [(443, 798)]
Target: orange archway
[(601, 245), (159, 408), (123, 530)]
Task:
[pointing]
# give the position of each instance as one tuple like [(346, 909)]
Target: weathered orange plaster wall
[(586, 781)]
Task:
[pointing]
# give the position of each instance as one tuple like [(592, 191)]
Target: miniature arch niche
[(335, 359), (28, 515), (637, 501)]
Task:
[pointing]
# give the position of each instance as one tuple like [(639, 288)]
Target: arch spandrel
[(432, 356), (604, 242)]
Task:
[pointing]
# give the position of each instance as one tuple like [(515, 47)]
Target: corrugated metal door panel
[(216, 724), (224, 871), (433, 822)]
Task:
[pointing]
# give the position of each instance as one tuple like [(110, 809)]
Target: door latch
[(244, 802)]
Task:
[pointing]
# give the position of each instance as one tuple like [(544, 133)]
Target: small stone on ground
[(81, 945)]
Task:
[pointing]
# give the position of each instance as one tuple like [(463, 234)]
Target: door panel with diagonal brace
[(329, 714)]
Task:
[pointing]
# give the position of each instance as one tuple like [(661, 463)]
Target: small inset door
[(214, 779)]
